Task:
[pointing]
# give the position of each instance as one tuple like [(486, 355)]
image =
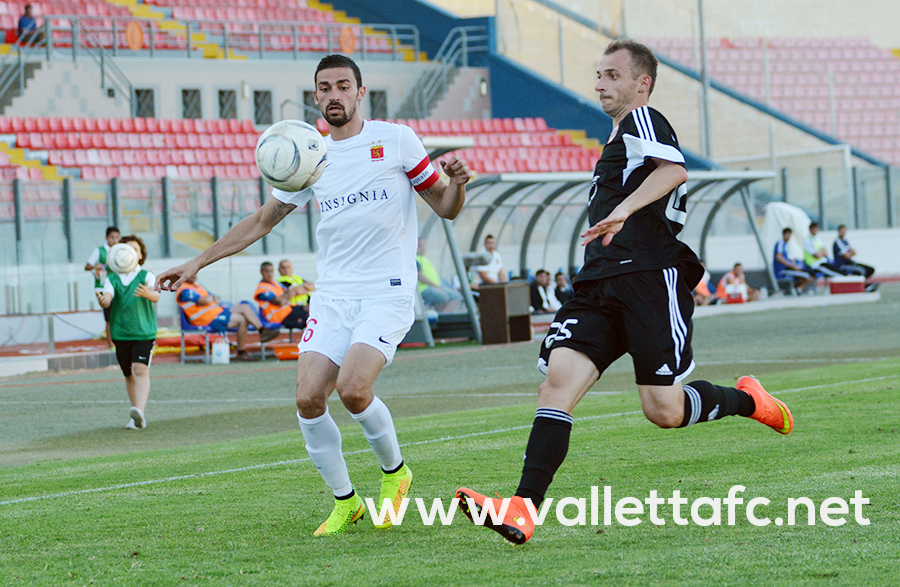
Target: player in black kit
[(633, 296)]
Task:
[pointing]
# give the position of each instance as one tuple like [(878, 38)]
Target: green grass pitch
[(218, 490)]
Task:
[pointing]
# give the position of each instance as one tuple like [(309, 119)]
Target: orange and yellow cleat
[(516, 526), (769, 410)]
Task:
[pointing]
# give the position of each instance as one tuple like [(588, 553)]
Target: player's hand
[(457, 170), (172, 279), (607, 228), (104, 299), (142, 291)]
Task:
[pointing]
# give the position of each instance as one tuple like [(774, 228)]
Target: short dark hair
[(489, 236), (541, 271), (840, 226), (112, 229), (335, 61), (786, 230), (264, 264), (813, 225), (133, 238), (643, 61)]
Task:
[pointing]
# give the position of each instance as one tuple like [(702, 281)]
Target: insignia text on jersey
[(357, 198)]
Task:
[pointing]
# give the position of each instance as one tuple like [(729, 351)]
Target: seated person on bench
[(275, 301), (201, 308), (786, 268)]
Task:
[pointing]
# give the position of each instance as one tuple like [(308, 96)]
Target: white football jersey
[(368, 229)]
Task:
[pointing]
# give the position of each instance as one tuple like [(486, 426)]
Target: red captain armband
[(423, 175)]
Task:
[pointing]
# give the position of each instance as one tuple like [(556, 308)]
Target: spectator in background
[(96, 264), (702, 295), (27, 29), (815, 256), (734, 283), (434, 294), (492, 272), (843, 258), (787, 268), (543, 298), (275, 301), (563, 291), (202, 308), (288, 279)]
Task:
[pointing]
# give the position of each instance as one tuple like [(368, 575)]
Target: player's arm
[(242, 235), (447, 200), (666, 177)]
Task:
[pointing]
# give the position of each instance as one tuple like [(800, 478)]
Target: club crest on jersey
[(377, 152)]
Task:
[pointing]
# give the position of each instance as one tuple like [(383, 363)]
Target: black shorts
[(646, 314), (129, 352), (296, 319)]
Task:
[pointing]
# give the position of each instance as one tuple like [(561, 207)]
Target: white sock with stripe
[(323, 443)]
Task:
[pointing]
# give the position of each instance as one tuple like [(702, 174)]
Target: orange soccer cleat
[(517, 525), (769, 410)]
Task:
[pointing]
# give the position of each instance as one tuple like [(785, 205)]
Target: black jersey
[(647, 240)]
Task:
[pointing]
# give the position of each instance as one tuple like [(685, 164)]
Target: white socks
[(378, 426), (323, 443)]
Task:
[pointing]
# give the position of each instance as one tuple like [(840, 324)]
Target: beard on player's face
[(338, 119)]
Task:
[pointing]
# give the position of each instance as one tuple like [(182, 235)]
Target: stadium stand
[(146, 148), (247, 24), (866, 101)]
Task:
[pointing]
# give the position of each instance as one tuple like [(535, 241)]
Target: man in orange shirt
[(275, 301), (735, 278), (201, 308)]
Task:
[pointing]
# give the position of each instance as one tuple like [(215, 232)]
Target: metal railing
[(140, 37), (461, 42), (110, 74), (81, 40), (13, 66)]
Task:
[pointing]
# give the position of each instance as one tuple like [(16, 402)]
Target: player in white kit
[(364, 303)]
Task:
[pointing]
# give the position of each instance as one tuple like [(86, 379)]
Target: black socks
[(704, 402), (546, 451)]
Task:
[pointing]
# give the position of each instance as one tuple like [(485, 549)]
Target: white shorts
[(335, 324)]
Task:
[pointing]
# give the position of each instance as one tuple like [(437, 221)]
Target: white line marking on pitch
[(288, 462), (355, 452)]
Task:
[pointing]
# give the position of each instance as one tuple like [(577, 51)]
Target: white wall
[(62, 88), (65, 88)]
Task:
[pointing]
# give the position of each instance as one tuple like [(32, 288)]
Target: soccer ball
[(122, 258), (290, 155)]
